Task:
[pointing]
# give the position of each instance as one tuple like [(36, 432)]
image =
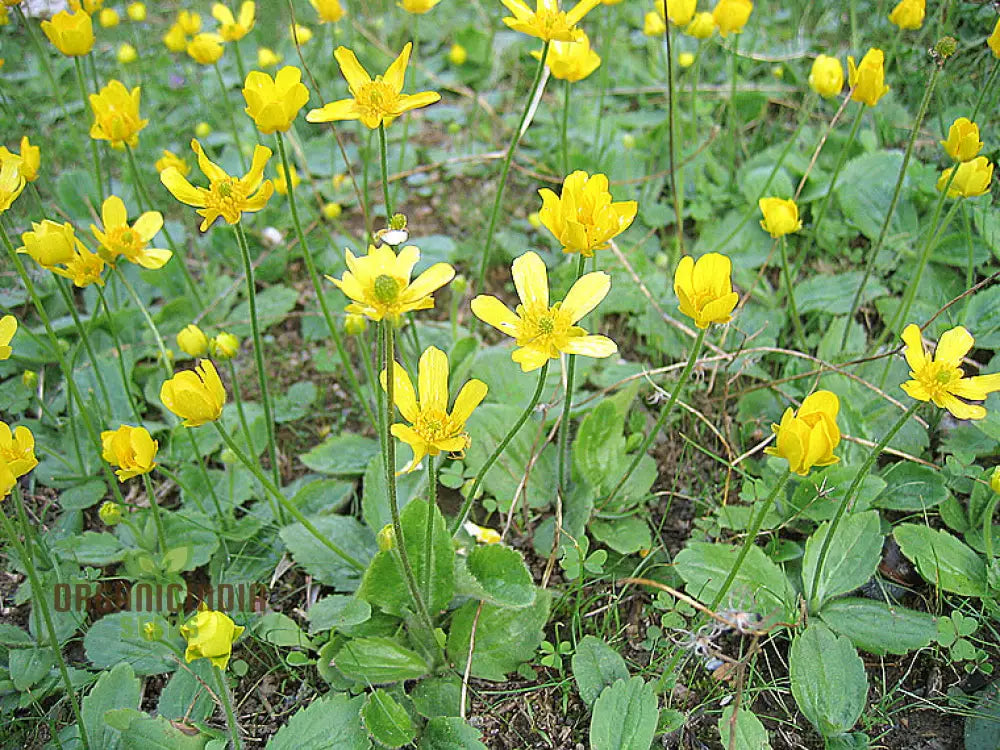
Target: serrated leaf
[(117, 688), (379, 660), (624, 717), (29, 665), (942, 559), (502, 575), (877, 627), (386, 720), (437, 696), (326, 724), (596, 666), (828, 679), (853, 556), (90, 548)]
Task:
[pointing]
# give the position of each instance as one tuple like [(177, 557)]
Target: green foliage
[(596, 666), (386, 720), (624, 716), (742, 731), (828, 680), (877, 627), (313, 726), (942, 559), (853, 555)]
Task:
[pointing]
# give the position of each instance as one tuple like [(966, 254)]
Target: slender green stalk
[(991, 508), (39, 599), (501, 447), (85, 340), (258, 351), (384, 164), (752, 532), (602, 74), (314, 278), (227, 704), (841, 160), (239, 62), (232, 120), (671, 136), (849, 496), (800, 334), (238, 398), (731, 103), (432, 481), (664, 413), (887, 219), (567, 404), (93, 144), (564, 129), (505, 169), (989, 85), (42, 57)]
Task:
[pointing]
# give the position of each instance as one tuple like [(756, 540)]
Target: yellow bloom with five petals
[(781, 216), (17, 455), (131, 449), (547, 21), (70, 33), (56, 248), (11, 183), (432, 428), (116, 115), (702, 26), (908, 14), (205, 48), (8, 327), (730, 16), (225, 196), (808, 437), (189, 22), (963, 140), (571, 61), (972, 179), (868, 78), (119, 239), (28, 160), (704, 289), (374, 102), (329, 11), (274, 103), (232, 29), (195, 396), (543, 332), (210, 635), (583, 218)]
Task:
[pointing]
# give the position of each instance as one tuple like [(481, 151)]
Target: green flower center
[(546, 325), (386, 289)]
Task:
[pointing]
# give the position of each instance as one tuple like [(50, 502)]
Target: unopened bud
[(152, 631), (945, 48), (110, 513), (386, 538), (355, 325), (224, 346), (29, 378)]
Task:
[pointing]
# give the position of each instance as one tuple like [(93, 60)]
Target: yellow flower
[(827, 76), (941, 379), (908, 14), (868, 79), (193, 341), (205, 49), (53, 245), (87, 6), (108, 18), (83, 269), (547, 22), (121, 240), (29, 159), (995, 480), (4, 21), (189, 23), (116, 115), (702, 26), (571, 61), (704, 289), (332, 210), (781, 217), (373, 102), (685, 59), (963, 140), (543, 332), (225, 196), (210, 635), (809, 437), (653, 24), (417, 6), (136, 12), (195, 396), (480, 533), (17, 455), (267, 57), (8, 327), (170, 159), (730, 16), (584, 219), (175, 39), (231, 29), (972, 179), (300, 33), (379, 282), (993, 42), (457, 55), (127, 54), (224, 346), (131, 449), (329, 11), (70, 33), (433, 429), (11, 183), (281, 183), (680, 12), (274, 103)]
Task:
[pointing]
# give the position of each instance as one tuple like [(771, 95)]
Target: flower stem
[(874, 251), (93, 144), (238, 398), (982, 92), (664, 413), (43, 57), (501, 446), (790, 291), (671, 136), (567, 404), (432, 480), (755, 525), (384, 164), (314, 278), (227, 704), (232, 120), (505, 169), (564, 130), (71, 306), (849, 496), (841, 160)]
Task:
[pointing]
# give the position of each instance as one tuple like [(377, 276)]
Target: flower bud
[(110, 513), (355, 324), (210, 635), (108, 18), (457, 55), (267, 57), (202, 129), (386, 538), (702, 26), (29, 379), (224, 346), (704, 289), (332, 210), (868, 78), (808, 437), (127, 54), (653, 24), (685, 59), (193, 341), (731, 16), (908, 14), (152, 631), (995, 480), (963, 140), (827, 76), (781, 217), (459, 284), (136, 12), (628, 141)]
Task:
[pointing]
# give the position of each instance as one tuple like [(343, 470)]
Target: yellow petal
[(531, 280), (208, 167), (492, 311), (396, 73), (181, 189), (113, 212), (914, 350), (953, 345), (403, 394), (355, 75), (468, 399), (529, 358), (590, 346), (586, 294), (344, 109), (433, 379)]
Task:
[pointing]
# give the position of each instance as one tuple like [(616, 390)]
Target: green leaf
[(379, 660), (865, 201), (450, 733), (29, 665), (118, 637), (624, 535), (877, 627), (832, 294), (746, 733), (624, 716), (280, 630), (185, 696), (90, 548), (437, 696), (386, 720), (493, 655), (982, 727), (83, 496), (912, 487), (502, 575), (273, 306), (828, 679), (375, 497), (853, 556), (117, 688), (319, 561), (819, 495), (346, 454), (148, 733), (596, 666), (296, 402), (337, 611), (942, 559)]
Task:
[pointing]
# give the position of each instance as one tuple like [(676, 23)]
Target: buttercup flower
[(942, 379), (195, 396), (267, 57), (224, 346), (136, 12), (963, 140), (704, 289), (28, 161), (417, 6), (116, 115), (781, 217), (175, 39), (8, 327), (680, 12), (299, 33), (225, 196), (189, 23), (130, 242), (329, 11), (127, 54), (583, 218), (547, 22), (131, 449), (274, 103), (479, 533), (995, 480), (827, 76), (908, 14), (972, 179), (70, 33), (458, 54), (210, 635), (702, 26), (685, 59), (432, 429), (108, 18), (11, 183), (868, 79), (993, 42), (379, 282), (170, 159), (192, 341), (281, 183), (571, 61), (809, 437), (376, 102), (205, 49), (231, 29), (87, 6), (53, 245), (653, 24), (543, 332), (17, 455), (730, 16)]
